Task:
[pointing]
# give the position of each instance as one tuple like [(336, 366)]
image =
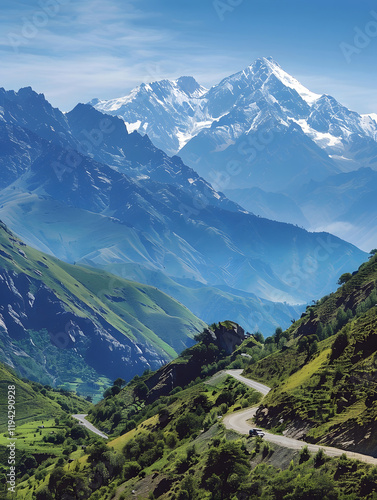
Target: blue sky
[(75, 50)]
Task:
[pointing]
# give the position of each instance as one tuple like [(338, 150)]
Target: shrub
[(131, 469), (171, 440), (319, 458), (304, 455), (43, 493), (187, 424)]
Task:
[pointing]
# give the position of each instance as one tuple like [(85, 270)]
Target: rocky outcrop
[(28, 304), (226, 336)]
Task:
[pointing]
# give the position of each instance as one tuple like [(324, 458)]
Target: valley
[(165, 428), (97, 195)]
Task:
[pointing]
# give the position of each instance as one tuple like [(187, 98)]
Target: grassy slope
[(237, 304), (112, 414), (140, 312), (185, 402), (330, 393), (31, 404)]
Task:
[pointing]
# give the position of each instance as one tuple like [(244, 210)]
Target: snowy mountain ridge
[(260, 97), (180, 100)]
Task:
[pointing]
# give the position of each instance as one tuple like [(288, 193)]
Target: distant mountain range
[(260, 128), (80, 187)]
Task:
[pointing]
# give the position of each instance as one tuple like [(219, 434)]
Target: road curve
[(238, 421), (263, 389), (81, 418)]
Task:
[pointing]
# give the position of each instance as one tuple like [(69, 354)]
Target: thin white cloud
[(96, 48)]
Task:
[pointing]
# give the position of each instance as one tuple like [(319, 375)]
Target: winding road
[(81, 418), (239, 422)]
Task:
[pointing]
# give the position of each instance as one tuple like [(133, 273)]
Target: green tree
[(259, 337), (131, 469), (304, 455), (206, 336), (141, 390), (55, 478), (187, 424), (43, 493), (96, 451), (313, 348), (344, 278), (119, 382), (319, 458), (278, 333), (225, 462), (320, 331), (78, 431)]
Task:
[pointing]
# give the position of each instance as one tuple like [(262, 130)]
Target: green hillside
[(151, 325), (35, 401), (43, 426), (325, 377)]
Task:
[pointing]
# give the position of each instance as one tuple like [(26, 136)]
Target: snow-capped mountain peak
[(190, 86), (209, 127), (287, 79)]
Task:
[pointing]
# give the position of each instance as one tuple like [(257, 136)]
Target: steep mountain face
[(61, 322), (113, 200), (225, 337), (107, 141), (160, 107), (33, 112)]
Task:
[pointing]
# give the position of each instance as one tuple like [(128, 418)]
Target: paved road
[(88, 425), (239, 422), (263, 389)]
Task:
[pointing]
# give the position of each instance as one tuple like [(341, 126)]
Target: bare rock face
[(104, 348), (226, 336), (229, 335)]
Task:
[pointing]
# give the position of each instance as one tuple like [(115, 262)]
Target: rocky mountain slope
[(67, 325)]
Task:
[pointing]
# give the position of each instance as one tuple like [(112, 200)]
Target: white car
[(256, 432)]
